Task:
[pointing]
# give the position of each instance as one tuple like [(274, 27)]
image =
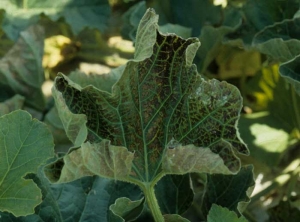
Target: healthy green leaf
[(270, 92), (56, 127), (211, 38), (25, 144), (182, 31), (131, 20), (22, 14), (218, 213), (174, 194), (126, 209), (204, 13), (279, 41), (228, 190), (260, 14), (87, 199), (11, 104), (174, 218), (103, 81), (21, 68), (290, 71), (160, 98), (264, 133), (5, 42)]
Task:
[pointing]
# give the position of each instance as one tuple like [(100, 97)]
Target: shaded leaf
[(20, 16), (280, 41), (174, 218), (24, 145), (56, 127), (12, 104), (203, 13), (218, 213), (87, 199), (126, 209), (174, 194), (228, 190), (260, 14), (284, 212), (21, 68), (272, 93), (5, 42), (291, 72), (131, 20), (211, 38)]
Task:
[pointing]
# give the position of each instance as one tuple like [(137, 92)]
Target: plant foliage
[(153, 132)]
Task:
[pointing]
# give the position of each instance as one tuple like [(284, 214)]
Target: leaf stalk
[(149, 193)]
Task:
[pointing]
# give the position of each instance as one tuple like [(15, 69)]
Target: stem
[(295, 106), (149, 193)]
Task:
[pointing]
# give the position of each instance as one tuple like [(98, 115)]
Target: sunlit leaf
[(218, 213)]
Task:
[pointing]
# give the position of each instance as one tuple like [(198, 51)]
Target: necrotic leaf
[(160, 97)]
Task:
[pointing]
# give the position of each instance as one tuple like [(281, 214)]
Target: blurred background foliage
[(250, 43)]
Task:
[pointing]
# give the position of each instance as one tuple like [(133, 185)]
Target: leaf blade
[(21, 153)]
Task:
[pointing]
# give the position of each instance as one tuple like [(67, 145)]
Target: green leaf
[(74, 124), (211, 38), (272, 93), (20, 15), (57, 129), (103, 81), (159, 98), (218, 213), (21, 68), (228, 190), (25, 144), (126, 209), (131, 20), (194, 15), (290, 71), (179, 30), (174, 194), (87, 199), (5, 42), (174, 218), (11, 104), (279, 41), (260, 14)]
